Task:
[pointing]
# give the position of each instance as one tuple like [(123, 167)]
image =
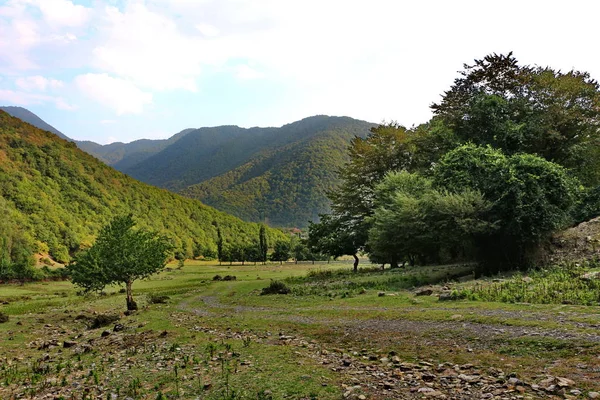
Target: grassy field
[(335, 335)]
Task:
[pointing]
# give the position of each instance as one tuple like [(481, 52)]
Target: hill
[(279, 175), (286, 186), (58, 197), (126, 155), (118, 155), (27, 116)]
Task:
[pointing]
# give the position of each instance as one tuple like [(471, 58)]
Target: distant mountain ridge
[(118, 155), (274, 175)]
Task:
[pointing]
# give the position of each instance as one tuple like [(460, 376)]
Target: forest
[(510, 157), (54, 198)]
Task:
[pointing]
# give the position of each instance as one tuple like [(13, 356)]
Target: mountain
[(58, 197), (25, 115), (119, 155), (278, 175), (286, 185), (125, 155)]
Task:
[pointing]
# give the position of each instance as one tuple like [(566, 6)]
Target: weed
[(275, 287)]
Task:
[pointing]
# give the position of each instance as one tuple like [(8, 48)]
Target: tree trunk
[(355, 262), (394, 261), (131, 304)]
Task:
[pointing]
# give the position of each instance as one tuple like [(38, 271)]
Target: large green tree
[(531, 198), (121, 254), (523, 109)]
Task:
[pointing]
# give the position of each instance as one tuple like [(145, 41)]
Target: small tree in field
[(120, 255)]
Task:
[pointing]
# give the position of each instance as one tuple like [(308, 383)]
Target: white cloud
[(119, 94), (27, 98), (207, 30), (63, 12), (108, 121), (245, 72), (38, 82), (147, 48)]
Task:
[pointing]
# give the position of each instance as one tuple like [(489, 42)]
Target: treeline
[(54, 198), (262, 250), (511, 156)]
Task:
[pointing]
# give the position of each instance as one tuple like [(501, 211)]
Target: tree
[(220, 252), (335, 237), (122, 255), (530, 197), (263, 244), (523, 109), (414, 222), (281, 251)]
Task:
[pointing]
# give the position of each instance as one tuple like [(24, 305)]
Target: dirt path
[(402, 327)]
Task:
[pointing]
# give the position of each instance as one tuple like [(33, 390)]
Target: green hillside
[(278, 175), (209, 152), (57, 197), (25, 115), (286, 186), (126, 155)]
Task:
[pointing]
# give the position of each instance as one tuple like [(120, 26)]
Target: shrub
[(275, 287), (229, 278), (217, 278), (157, 298), (3, 317)]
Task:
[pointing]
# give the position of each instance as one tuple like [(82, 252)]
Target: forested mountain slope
[(285, 186), (25, 115), (209, 152), (54, 197)]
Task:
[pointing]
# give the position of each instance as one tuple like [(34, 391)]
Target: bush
[(229, 278), (217, 278), (157, 298), (275, 287), (3, 318)]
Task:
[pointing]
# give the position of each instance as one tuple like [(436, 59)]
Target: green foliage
[(263, 244), (16, 247), (416, 222), (59, 198), (284, 180), (275, 287), (120, 255), (281, 251), (563, 284), (523, 109), (530, 197)]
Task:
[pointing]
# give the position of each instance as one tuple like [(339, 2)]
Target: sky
[(121, 70)]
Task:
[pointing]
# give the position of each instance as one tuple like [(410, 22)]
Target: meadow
[(418, 332)]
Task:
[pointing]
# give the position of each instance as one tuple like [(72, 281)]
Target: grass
[(220, 339), (564, 284)]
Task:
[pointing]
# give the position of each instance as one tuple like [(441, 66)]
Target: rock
[(3, 318), (362, 397), (445, 296), (118, 328), (527, 279), (68, 343), (564, 382), (105, 333), (594, 395), (424, 292), (346, 363), (469, 378)]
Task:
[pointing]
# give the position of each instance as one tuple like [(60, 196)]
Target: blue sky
[(118, 70)]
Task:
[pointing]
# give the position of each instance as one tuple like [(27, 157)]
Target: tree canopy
[(121, 254)]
